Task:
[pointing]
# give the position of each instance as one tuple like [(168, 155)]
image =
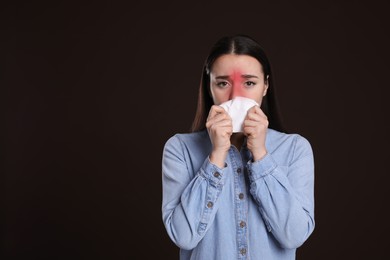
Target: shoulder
[(296, 143), (187, 140)]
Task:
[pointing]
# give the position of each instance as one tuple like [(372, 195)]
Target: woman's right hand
[(219, 126)]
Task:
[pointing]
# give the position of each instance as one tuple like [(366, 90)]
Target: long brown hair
[(240, 45)]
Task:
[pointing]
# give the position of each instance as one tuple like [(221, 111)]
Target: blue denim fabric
[(246, 210)]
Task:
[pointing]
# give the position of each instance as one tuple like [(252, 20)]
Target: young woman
[(241, 195)]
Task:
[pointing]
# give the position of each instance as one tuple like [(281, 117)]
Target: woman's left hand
[(255, 128)]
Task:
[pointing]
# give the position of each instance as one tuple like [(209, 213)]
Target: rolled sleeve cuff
[(213, 173), (261, 168)]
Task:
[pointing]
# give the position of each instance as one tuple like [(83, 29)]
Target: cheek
[(255, 93), (258, 100), (219, 96)]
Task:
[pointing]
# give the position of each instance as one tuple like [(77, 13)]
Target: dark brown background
[(91, 92)]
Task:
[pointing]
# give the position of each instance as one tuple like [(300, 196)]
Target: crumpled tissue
[(237, 109)]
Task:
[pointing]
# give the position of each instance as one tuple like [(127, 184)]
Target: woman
[(241, 195)]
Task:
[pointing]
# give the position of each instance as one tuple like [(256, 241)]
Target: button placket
[(241, 206)]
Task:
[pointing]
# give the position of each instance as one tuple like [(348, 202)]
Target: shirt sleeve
[(190, 201), (285, 195)]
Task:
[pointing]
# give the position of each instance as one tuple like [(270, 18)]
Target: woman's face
[(237, 75)]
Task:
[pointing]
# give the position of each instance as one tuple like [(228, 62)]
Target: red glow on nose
[(236, 78)]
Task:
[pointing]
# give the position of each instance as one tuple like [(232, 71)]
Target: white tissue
[(237, 109)]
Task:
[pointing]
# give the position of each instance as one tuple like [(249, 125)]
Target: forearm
[(287, 211), (188, 215)]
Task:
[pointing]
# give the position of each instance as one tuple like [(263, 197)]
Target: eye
[(222, 84), (249, 83)]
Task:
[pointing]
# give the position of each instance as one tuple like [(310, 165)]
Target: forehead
[(232, 63)]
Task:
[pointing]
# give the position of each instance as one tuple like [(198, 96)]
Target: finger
[(219, 120), (223, 123), (251, 123), (252, 109), (249, 130), (254, 116), (258, 111), (217, 114), (221, 130), (219, 117), (214, 110)]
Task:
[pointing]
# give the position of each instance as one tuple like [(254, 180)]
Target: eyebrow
[(245, 76)]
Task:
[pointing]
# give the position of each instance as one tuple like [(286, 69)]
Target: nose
[(236, 91)]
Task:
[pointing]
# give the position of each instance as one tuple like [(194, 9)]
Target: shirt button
[(239, 170), (241, 196), (210, 204), (217, 174), (242, 224), (243, 251)]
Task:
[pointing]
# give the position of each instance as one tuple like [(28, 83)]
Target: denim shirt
[(246, 210)]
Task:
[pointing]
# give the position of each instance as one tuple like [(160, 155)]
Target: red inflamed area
[(237, 83)]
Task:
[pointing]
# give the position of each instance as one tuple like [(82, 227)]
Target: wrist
[(258, 155), (218, 158)]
